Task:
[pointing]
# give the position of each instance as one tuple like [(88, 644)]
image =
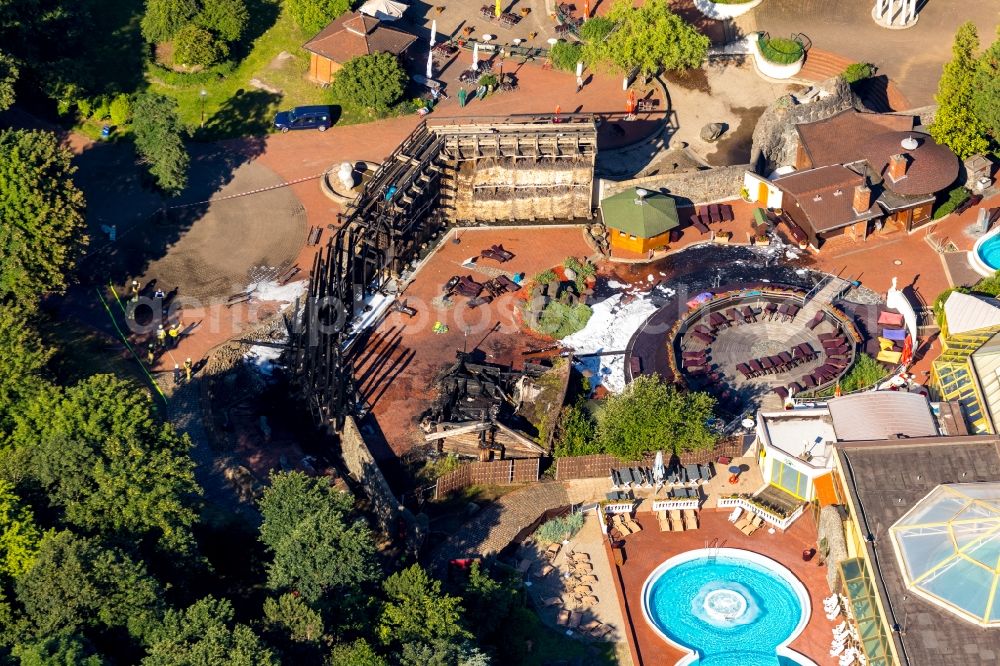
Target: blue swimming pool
[(989, 251), (734, 608)]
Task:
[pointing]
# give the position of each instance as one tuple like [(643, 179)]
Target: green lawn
[(233, 107)]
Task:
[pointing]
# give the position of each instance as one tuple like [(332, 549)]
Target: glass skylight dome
[(948, 547)]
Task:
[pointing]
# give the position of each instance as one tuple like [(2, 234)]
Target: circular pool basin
[(989, 251), (727, 607)]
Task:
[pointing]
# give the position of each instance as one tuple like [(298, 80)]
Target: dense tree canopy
[(194, 45), (164, 18), (575, 432), (43, 230), (8, 77), (955, 122), (158, 133), (23, 357), (316, 548), (226, 18), (313, 15), (101, 456), (650, 415), (76, 583), (19, 535), (418, 612), (63, 649), (986, 84), (649, 37), (205, 634), (374, 81)]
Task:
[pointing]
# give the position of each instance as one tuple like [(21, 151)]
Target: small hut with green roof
[(639, 220)]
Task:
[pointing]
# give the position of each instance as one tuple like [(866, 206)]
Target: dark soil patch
[(691, 79), (734, 146)]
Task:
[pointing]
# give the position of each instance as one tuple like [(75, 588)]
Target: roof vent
[(640, 196), (909, 143)]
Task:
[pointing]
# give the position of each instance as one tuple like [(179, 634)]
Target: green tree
[(596, 29), (440, 652), (313, 15), (23, 357), (315, 548), (226, 18), (858, 71), (489, 600), (358, 653), (64, 649), (955, 123), (120, 109), (204, 634), (417, 611), (43, 229), (101, 455), (565, 55), (9, 72), (19, 535), (650, 38), (575, 434), (164, 18), (290, 614), (194, 46), (373, 81), (986, 84), (157, 132), (76, 583), (650, 415)]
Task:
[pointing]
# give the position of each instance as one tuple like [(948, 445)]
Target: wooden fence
[(598, 465), (495, 473)]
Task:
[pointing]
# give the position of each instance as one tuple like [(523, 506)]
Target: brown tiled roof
[(886, 480), (826, 196), (932, 167), (356, 34), (842, 138)]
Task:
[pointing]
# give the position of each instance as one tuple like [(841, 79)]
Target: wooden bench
[(314, 235)]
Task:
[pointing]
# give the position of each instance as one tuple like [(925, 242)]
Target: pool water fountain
[(727, 607)]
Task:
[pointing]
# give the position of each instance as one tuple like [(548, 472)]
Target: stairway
[(824, 297), (879, 94), (821, 65)]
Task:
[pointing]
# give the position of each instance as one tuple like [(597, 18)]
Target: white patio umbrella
[(475, 56), (658, 470), (434, 32), (430, 65), (384, 10)]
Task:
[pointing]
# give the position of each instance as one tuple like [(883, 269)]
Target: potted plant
[(525, 11), (762, 239)]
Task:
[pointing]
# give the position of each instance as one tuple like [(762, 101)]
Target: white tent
[(384, 10)]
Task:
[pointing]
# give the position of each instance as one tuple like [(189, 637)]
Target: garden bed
[(776, 58)]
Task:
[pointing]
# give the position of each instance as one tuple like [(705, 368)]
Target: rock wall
[(774, 138), (524, 190), (831, 528), (393, 519), (687, 187)]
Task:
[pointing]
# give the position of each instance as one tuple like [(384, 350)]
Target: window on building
[(790, 479)]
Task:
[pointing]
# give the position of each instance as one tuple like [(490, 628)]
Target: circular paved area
[(741, 343)]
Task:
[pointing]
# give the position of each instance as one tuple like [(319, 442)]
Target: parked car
[(303, 117)]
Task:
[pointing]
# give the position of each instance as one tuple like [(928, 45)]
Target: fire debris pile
[(481, 410)]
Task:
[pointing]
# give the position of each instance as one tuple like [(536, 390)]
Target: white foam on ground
[(610, 328), (263, 358), (273, 292)]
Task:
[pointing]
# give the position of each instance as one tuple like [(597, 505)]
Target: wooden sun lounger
[(562, 619), (754, 525), (663, 521), (744, 520), (690, 519), (602, 631), (552, 601), (676, 522), (575, 618)]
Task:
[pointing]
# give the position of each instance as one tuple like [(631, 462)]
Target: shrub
[(487, 80), (582, 271), (596, 29), (121, 109), (956, 198), (565, 55), (575, 432), (559, 320), (373, 81), (560, 528), (194, 46), (84, 106), (544, 277), (865, 372), (858, 72), (226, 18), (100, 108), (781, 51)]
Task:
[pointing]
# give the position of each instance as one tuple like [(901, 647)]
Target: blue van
[(303, 117)]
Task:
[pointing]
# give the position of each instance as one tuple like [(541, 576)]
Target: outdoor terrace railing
[(670, 504), (773, 519)]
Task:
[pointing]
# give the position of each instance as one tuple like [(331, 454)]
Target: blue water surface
[(774, 610), (989, 251)]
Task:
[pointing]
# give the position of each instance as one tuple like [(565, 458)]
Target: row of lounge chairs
[(711, 213), (783, 362), (675, 520), (624, 524), (746, 522), (642, 477), (574, 620)]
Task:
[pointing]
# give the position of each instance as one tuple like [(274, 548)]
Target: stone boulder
[(712, 132)]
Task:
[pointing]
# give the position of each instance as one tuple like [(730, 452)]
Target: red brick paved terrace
[(649, 548)]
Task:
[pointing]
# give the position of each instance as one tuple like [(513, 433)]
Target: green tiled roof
[(656, 214)]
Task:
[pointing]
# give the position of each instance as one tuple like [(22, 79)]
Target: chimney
[(862, 199), (897, 166)]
